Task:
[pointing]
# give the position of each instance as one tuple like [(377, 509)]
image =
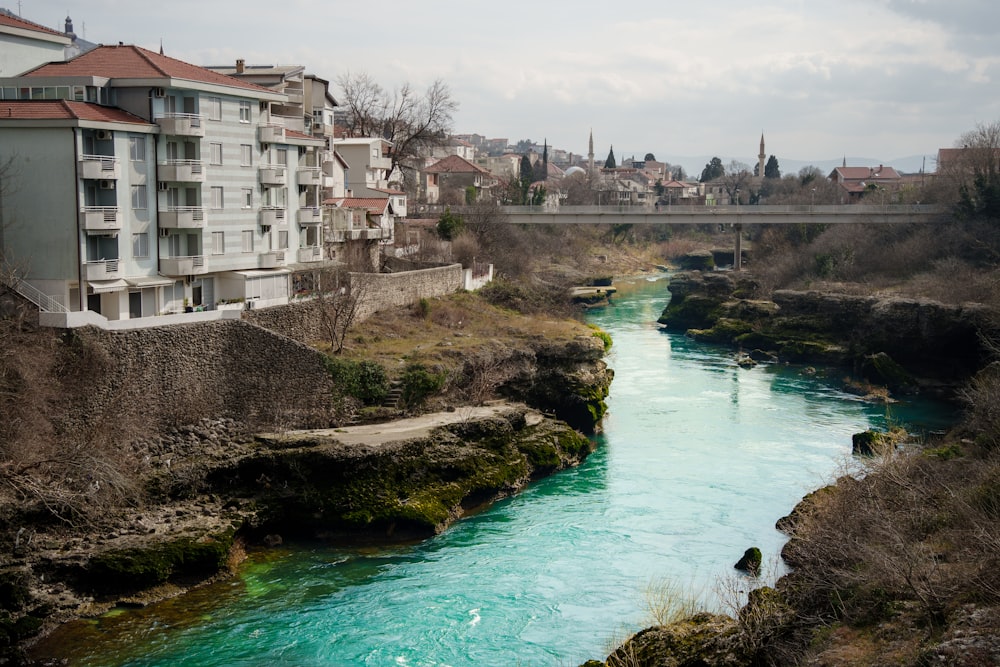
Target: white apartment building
[(144, 185)]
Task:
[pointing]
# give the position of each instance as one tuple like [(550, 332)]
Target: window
[(139, 197), (248, 240), (246, 155), (282, 240), (245, 112), (140, 245), (282, 157), (137, 148), (247, 197), (217, 197), (216, 154), (218, 243), (214, 105)]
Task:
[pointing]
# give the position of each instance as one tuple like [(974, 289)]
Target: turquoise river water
[(697, 461)]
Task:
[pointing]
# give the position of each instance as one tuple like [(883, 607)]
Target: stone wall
[(301, 320), (381, 291), (182, 373)]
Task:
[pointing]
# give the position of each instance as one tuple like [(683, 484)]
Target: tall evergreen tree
[(610, 162), (527, 172), (771, 169), (712, 170)]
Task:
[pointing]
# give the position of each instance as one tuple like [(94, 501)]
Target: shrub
[(365, 380), (419, 383), (603, 335)]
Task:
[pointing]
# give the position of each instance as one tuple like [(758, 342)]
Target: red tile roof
[(134, 62), (372, 204), (454, 164), (64, 110), (17, 22), (865, 173)]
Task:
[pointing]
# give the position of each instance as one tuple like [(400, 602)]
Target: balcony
[(311, 254), (272, 175), (310, 176), (98, 167), (184, 171), (102, 269), (271, 260), (183, 266), (381, 163), (310, 216), (295, 95), (273, 215), (100, 218), (182, 217), (271, 134), (181, 124)]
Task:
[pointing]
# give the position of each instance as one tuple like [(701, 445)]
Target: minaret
[(590, 154), (761, 158)]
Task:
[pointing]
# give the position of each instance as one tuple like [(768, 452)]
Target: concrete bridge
[(730, 215), (735, 215)]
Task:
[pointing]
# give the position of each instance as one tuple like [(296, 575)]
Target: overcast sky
[(882, 79)]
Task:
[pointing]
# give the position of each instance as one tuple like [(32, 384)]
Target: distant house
[(25, 45), (855, 182), (456, 174)]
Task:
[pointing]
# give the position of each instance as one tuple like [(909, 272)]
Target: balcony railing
[(310, 216), (182, 217), (310, 176), (294, 95), (183, 265), (272, 175), (184, 171), (99, 167), (310, 254), (102, 269), (273, 215), (271, 134), (271, 260), (100, 218), (181, 124)]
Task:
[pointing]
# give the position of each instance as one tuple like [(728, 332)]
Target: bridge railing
[(729, 209)]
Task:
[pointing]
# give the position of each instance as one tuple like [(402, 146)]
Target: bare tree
[(413, 122), (340, 299), (737, 181)]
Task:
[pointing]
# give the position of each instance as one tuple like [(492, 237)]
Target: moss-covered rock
[(880, 369), (142, 567), (876, 443), (750, 561), (700, 640), (702, 260)]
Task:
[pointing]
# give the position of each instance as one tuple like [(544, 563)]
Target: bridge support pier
[(738, 252)]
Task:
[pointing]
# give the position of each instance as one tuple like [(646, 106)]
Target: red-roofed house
[(377, 219), (455, 174), (855, 182), (205, 196), (24, 45)]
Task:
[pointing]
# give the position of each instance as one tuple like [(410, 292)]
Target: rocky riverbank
[(903, 344), (221, 489)]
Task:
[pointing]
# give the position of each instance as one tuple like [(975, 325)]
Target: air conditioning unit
[(107, 185), (105, 135), (159, 92), (161, 186), (164, 233), (265, 229)]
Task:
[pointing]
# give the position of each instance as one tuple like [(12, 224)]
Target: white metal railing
[(194, 165), (197, 212), (109, 213), (45, 303), (108, 162), (274, 212), (193, 118), (110, 265)]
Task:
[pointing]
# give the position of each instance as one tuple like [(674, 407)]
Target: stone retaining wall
[(381, 291), (182, 373)]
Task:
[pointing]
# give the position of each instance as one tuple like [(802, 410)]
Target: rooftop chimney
[(241, 65)]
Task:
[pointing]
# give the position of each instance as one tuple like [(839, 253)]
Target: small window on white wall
[(137, 148), (218, 243), (248, 240), (246, 155), (216, 153), (245, 112), (140, 245), (218, 200), (247, 197), (139, 197), (214, 105)]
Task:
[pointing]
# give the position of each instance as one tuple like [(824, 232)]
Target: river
[(698, 459)]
